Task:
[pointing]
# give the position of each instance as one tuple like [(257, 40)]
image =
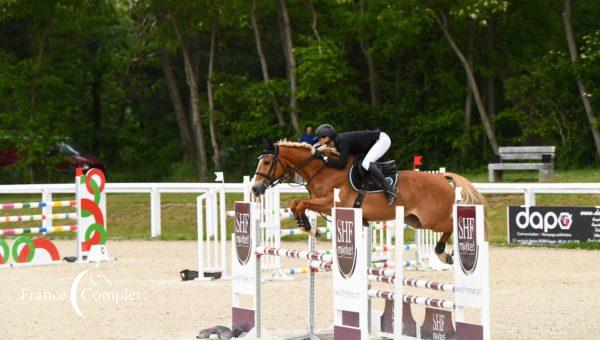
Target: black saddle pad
[(388, 169)]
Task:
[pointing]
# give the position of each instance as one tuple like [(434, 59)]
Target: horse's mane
[(304, 145)]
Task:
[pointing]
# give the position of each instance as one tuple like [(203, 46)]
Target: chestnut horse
[(427, 198)]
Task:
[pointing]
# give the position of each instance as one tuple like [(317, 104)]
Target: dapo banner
[(553, 225)]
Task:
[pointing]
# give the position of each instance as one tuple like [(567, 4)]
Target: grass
[(129, 214), (589, 175)]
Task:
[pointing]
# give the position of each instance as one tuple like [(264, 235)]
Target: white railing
[(529, 191)]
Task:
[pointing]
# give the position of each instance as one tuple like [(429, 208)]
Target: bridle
[(269, 176), (286, 175)]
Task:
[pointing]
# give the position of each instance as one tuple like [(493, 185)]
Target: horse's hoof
[(305, 222), (445, 258), (299, 222)]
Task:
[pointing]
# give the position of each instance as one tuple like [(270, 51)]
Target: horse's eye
[(267, 162)]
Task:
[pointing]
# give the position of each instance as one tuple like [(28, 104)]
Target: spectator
[(308, 136)]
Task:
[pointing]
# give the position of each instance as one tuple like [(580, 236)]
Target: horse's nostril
[(257, 190)]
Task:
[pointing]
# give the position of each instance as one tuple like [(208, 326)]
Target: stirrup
[(391, 199), (392, 190), (392, 194)]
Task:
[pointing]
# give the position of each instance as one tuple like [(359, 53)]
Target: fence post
[(222, 224), (529, 197), (47, 210), (155, 213), (246, 189)]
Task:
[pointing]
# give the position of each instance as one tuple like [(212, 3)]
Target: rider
[(372, 143)]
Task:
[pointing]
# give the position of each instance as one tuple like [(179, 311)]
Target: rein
[(286, 175)]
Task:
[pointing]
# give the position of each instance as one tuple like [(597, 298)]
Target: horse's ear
[(267, 146)]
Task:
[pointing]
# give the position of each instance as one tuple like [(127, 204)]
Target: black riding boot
[(390, 190)]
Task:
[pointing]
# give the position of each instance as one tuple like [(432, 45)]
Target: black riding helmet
[(325, 130)]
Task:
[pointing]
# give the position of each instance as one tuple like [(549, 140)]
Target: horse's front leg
[(301, 219), (319, 204), (293, 206)]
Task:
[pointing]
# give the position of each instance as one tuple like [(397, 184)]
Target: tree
[(209, 88), (288, 48), (194, 100), (263, 64), (469, 94), (171, 82), (442, 21), (583, 93), (365, 47)]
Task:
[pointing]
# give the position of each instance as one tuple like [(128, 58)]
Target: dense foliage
[(150, 85)]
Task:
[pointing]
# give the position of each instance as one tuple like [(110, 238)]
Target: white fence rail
[(528, 190)]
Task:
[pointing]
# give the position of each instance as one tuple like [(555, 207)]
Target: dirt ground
[(536, 293)]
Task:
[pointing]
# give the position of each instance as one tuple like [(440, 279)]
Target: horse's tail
[(469, 194)]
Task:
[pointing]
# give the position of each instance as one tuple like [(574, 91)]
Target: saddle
[(359, 180)]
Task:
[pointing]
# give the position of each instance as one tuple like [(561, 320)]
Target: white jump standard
[(32, 247), (352, 292), (246, 271)]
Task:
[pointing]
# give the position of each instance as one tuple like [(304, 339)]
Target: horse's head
[(269, 170), (280, 162)]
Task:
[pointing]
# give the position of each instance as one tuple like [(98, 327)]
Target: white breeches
[(378, 150)]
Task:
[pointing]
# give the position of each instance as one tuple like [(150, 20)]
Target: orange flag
[(417, 161)]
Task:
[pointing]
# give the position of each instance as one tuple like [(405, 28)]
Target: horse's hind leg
[(440, 248), (413, 221), (445, 227)]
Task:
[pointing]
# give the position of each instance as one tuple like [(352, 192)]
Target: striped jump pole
[(388, 225), (308, 269), (40, 230), (29, 218), (417, 283), (379, 249), (299, 254), (299, 231), (389, 264), (416, 300), (325, 265), (31, 205)]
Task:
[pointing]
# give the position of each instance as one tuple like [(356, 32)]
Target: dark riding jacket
[(354, 142)]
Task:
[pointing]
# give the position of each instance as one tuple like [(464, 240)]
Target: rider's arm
[(339, 163)]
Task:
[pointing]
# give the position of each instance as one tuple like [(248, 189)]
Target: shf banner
[(553, 225)]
